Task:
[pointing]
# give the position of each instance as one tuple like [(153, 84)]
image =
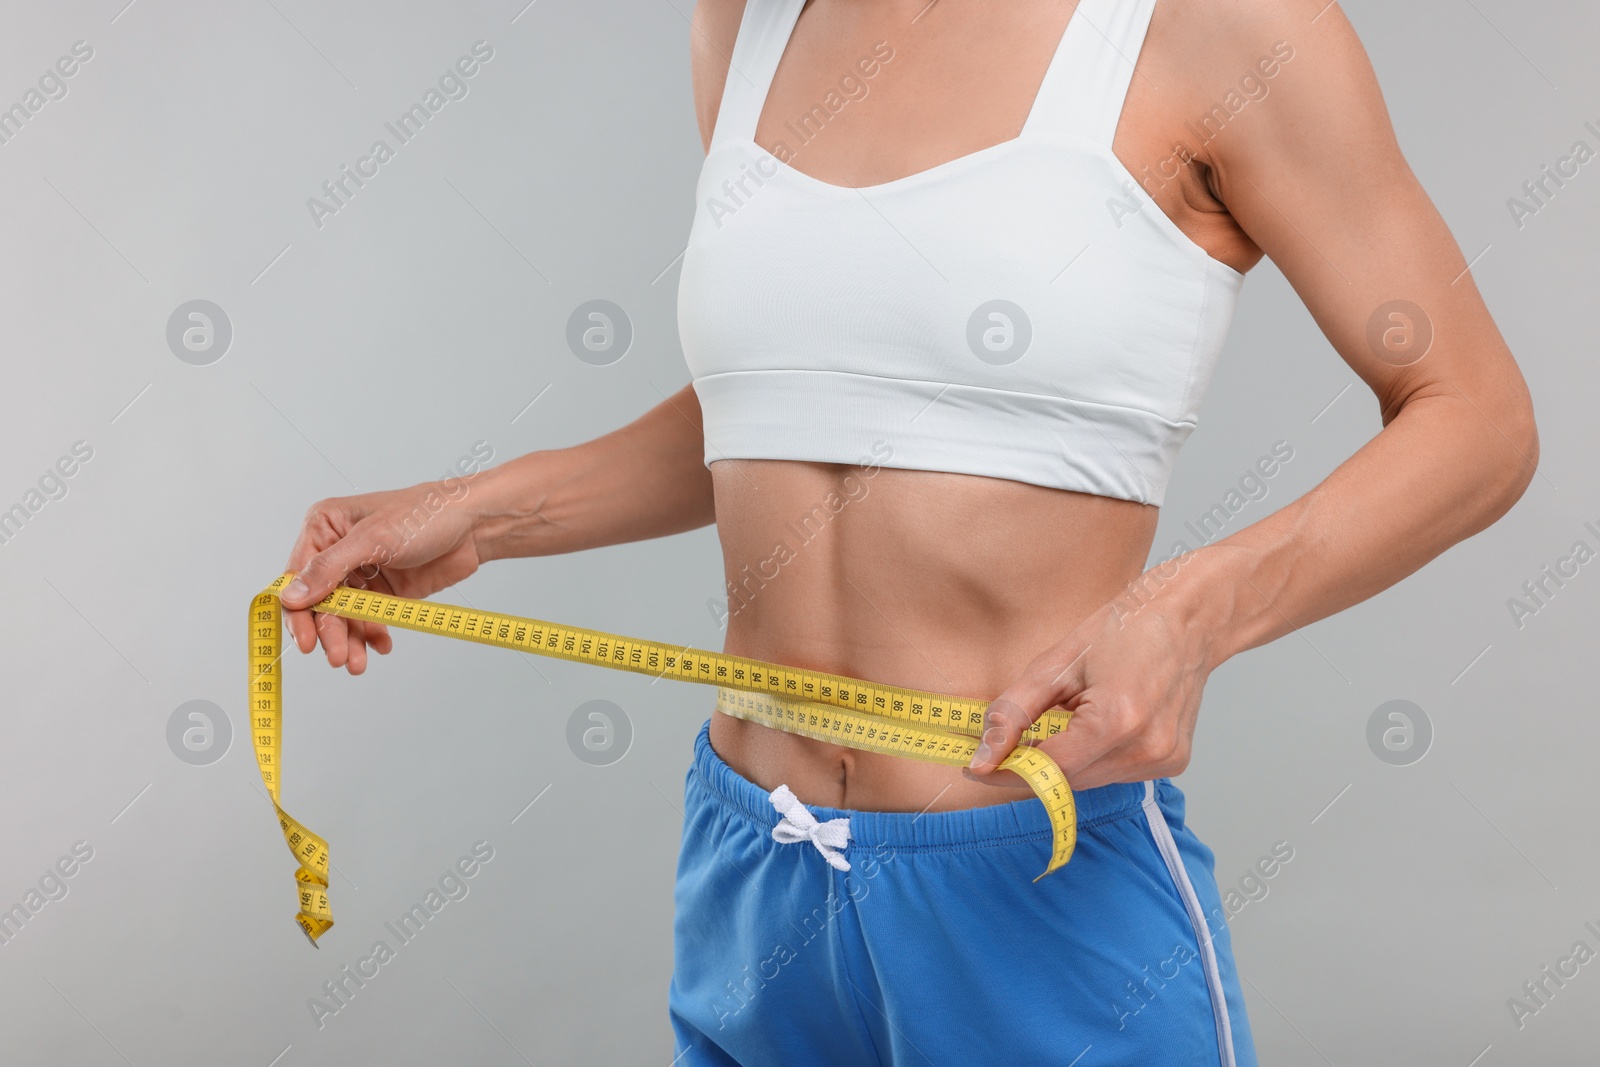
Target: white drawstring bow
[(798, 824)]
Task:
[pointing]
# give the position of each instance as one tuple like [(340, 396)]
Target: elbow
[(1518, 435)]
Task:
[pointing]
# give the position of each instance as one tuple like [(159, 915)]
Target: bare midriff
[(945, 582)]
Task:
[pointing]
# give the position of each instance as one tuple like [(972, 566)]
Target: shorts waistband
[(968, 827)]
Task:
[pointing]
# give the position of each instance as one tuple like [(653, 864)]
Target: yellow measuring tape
[(829, 707)]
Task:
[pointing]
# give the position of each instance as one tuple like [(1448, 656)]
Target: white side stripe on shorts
[(1191, 903)]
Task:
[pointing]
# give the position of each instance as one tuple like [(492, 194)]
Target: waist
[(942, 582)]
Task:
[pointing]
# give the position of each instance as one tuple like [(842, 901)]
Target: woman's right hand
[(406, 542)]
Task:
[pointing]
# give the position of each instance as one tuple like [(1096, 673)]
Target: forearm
[(647, 479), (1442, 470)]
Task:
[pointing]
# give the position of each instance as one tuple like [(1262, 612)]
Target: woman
[(956, 284)]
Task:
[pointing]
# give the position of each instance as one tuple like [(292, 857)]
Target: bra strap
[(764, 31), (1084, 88)]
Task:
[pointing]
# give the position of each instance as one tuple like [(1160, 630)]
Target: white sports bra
[(1025, 311)]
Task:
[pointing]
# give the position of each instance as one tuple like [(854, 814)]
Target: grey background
[(426, 315)]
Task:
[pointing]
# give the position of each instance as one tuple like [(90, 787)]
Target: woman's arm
[(1317, 180), (1314, 176), (647, 479)]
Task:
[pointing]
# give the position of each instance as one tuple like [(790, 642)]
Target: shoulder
[(1223, 29), (1275, 73), (1204, 45), (713, 30)]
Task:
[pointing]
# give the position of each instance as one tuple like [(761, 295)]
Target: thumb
[(322, 573), (1050, 680)]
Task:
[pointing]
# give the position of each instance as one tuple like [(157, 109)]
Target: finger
[(316, 577), (320, 574), (379, 639), (318, 526), (997, 779), (1050, 680), (334, 634), (376, 634), (356, 647), (1003, 724), (1122, 745), (302, 629)]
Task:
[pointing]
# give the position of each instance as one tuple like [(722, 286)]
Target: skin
[(1028, 596)]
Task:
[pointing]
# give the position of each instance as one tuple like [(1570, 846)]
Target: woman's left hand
[(1131, 674)]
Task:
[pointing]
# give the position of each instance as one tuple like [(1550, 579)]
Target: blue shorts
[(936, 946)]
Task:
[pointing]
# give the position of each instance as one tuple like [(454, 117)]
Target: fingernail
[(982, 755), (295, 590)]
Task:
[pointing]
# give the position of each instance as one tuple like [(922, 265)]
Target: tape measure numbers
[(829, 707)]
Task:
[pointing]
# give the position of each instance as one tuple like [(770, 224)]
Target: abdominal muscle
[(944, 582)]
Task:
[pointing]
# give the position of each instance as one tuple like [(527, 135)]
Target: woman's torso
[(931, 580), (944, 582)]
